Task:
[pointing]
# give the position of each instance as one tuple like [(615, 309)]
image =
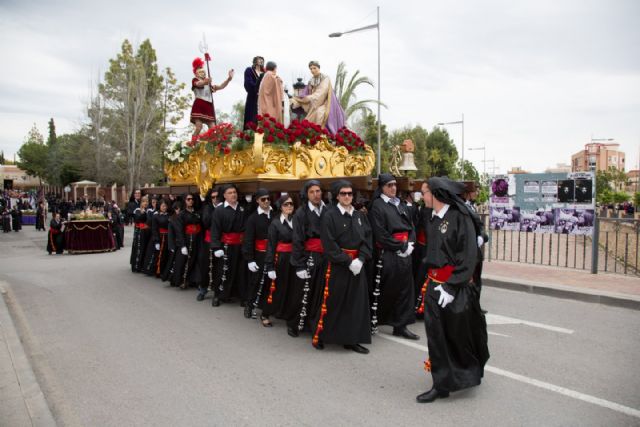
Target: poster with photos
[(574, 221), (504, 218)]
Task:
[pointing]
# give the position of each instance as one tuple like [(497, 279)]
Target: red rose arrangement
[(223, 138)]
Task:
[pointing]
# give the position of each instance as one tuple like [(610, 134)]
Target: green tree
[(52, 133), (441, 154), (621, 197), (345, 88), (33, 154), (611, 179), (137, 103), (636, 199), (470, 172), (2, 159), (370, 136), (34, 136)]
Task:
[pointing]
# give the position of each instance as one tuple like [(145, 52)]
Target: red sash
[(421, 237), (54, 231), (313, 245), (353, 253), (232, 238), (207, 236), (440, 275), (164, 230), (192, 228), (260, 245), (401, 237), (284, 247), (142, 225)]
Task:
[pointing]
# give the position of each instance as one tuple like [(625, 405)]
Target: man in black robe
[(469, 196), (394, 237), (188, 241), (456, 328), (346, 238), (227, 232), (254, 248), (307, 256)]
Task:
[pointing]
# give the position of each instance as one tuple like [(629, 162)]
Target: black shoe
[(247, 311), (293, 332), (319, 346), (431, 395), (405, 333), (357, 348), (200, 297), (215, 302)]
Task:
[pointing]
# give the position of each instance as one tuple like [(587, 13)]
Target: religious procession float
[(284, 137), (267, 151)]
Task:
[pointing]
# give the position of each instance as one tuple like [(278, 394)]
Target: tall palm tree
[(345, 89)]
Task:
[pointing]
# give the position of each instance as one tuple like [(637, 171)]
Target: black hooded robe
[(456, 334)]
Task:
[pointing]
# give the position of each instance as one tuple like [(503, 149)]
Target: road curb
[(35, 402), (561, 291)]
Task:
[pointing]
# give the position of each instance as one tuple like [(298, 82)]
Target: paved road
[(113, 348)]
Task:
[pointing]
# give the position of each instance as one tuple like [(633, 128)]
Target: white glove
[(409, 248), (303, 274), (445, 298), (218, 253), (480, 241), (402, 254), (355, 266), (157, 246), (253, 266), (184, 250), (272, 275)]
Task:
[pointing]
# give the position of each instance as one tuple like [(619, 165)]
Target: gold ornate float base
[(269, 162)]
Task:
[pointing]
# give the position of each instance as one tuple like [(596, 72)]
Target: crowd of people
[(329, 268)]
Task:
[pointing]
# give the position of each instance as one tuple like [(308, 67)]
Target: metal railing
[(616, 251)]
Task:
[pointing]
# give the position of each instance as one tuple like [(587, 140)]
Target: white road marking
[(532, 381), (498, 335), (496, 319)]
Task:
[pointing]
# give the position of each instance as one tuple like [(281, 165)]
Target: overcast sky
[(535, 79)]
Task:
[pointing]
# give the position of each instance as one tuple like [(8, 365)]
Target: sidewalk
[(604, 288), (22, 402)]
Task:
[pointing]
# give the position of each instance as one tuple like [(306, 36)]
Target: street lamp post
[(458, 122), (484, 156), (370, 27)]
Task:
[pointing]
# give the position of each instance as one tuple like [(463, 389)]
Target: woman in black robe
[(141, 235), (456, 328), (343, 317), (284, 290), (167, 273), (55, 242), (188, 229), (254, 249)]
